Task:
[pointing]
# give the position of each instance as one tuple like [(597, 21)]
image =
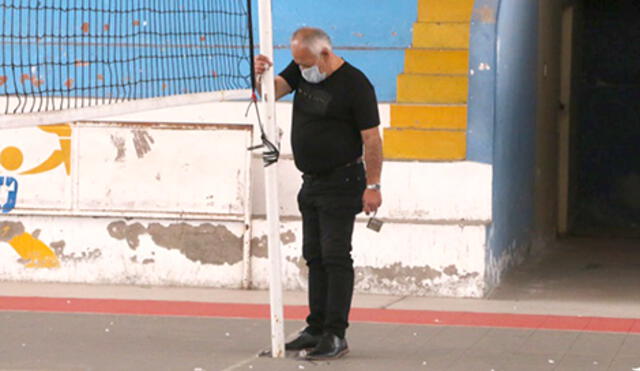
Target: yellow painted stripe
[(413, 88), (413, 144), (445, 10), (441, 35), (436, 61), (63, 130), (428, 117), (35, 252)]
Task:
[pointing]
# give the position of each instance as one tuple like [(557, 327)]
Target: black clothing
[(329, 205), (329, 347), (326, 138), (304, 341), (328, 117)]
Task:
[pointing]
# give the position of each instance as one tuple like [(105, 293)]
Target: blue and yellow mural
[(33, 252)]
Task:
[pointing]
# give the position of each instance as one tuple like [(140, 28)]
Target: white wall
[(190, 230)]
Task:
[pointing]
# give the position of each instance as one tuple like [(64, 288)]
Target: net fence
[(71, 54)]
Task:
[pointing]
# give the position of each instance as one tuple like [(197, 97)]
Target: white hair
[(315, 39)]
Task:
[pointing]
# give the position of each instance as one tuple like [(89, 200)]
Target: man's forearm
[(373, 159), (280, 85)]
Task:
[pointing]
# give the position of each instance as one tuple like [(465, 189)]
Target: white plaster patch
[(436, 191), (484, 67)]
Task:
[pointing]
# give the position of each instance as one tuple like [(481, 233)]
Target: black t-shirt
[(328, 117)]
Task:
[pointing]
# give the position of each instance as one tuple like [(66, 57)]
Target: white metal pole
[(271, 186)]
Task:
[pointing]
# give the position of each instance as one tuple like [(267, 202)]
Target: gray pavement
[(47, 341), (578, 278)]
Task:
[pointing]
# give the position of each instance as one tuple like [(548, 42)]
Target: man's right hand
[(261, 63)]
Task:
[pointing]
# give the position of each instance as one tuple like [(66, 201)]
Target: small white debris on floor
[(198, 369), (106, 330), (301, 367), (227, 334), (424, 363), (415, 334), (24, 345), (636, 369), (551, 361)]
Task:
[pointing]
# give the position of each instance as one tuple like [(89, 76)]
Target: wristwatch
[(374, 186)]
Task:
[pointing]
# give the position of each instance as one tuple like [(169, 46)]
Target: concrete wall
[(433, 241), (515, 135)]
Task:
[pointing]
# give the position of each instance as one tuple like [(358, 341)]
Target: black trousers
[(329, 204)]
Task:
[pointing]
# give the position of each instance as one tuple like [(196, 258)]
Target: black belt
[(355, 162)]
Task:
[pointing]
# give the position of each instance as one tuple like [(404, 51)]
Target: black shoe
[(330, 347), (304, 341)]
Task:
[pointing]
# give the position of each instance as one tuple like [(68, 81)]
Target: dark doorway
[(593, 269), (604, 182)]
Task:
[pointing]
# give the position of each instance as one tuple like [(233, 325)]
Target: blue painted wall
[(482, 83), (120, 50), (370, 35), (515, 125)]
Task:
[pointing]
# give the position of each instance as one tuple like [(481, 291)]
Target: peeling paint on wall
[(9, 230), (118, 142), (260, 245), (205, 243), (59, 247), (121, 231), (397, 273), (287, 237), (142, 141), (485, 14), (398, 279)]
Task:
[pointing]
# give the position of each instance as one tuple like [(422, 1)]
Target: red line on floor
[(261, 311)]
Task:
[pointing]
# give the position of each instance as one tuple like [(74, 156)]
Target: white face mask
[(313, 74)]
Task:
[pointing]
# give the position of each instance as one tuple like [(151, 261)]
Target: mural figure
[(8, 194), (33, 252), (58, 157)]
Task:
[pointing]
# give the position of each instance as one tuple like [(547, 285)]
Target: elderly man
[(335, 115)]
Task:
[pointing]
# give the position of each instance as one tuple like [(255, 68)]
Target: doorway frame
[(564, 116)]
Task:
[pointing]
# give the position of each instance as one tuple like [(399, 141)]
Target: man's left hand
[(371, 200)]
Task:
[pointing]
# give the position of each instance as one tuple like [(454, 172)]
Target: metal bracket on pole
[(271, 186)]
